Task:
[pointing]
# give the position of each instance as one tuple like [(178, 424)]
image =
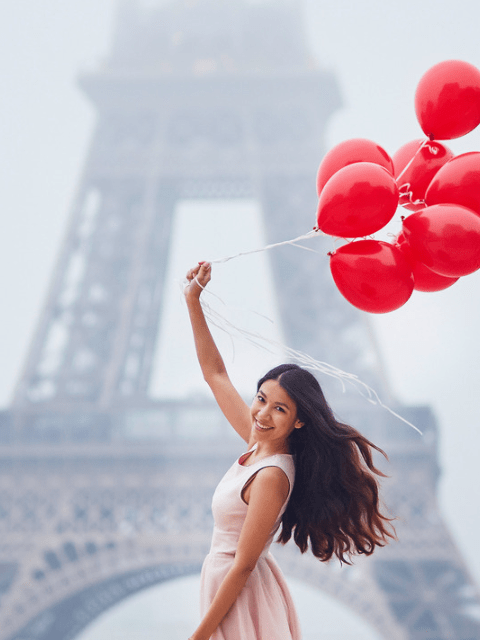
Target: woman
[(303, 469)]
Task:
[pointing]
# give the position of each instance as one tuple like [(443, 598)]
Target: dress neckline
[(249, 453)]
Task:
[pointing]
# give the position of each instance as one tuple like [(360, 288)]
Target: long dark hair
[(335, 502)]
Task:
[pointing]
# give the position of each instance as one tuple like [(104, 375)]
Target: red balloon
[(372, 275), (446, 238), (357, 201), (415, 166), (349, 152), (424, 278), (447, 100), (458, 182)]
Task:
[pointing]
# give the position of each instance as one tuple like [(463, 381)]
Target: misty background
[(378, 52)]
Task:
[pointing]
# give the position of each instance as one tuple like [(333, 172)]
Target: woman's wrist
[(195, 287), (197, 282), (193, 292)]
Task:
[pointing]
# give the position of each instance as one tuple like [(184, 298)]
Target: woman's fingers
[(199, 275), (204, 273), (191, 273)]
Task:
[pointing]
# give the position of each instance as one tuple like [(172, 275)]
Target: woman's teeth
[(259, 426)]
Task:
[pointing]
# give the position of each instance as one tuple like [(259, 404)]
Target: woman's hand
[(198, 278), (196, 637)]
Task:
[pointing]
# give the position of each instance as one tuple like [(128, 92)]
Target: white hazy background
[(378, 51)]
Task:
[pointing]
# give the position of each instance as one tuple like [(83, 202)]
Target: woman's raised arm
[(211, 362)]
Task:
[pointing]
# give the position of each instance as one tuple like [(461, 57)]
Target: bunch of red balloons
[(360, 187)]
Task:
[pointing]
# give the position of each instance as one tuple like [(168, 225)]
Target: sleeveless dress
[(264, 609)]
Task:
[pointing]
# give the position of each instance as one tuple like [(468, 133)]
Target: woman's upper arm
[(268, 492), (234, 408)]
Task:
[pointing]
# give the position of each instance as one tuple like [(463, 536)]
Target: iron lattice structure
[(104, 491)]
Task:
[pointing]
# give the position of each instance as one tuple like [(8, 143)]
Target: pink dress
[(264, 609)]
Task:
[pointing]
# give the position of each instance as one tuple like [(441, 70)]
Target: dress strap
[(282, 461)]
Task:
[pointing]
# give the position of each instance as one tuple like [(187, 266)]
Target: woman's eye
[(281, 409)]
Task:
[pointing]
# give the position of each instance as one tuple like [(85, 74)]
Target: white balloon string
[(294, 241), (217, 320), (426, 141), (196, 280), (405, 188), (300, 246), (404, 191)]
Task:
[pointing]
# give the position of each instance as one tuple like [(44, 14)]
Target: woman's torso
[(230, 509)]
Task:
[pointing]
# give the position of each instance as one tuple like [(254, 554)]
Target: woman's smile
[(261, 427)]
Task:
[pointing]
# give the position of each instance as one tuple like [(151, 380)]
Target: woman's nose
[(264, 411)]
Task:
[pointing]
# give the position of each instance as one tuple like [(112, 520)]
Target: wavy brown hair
[(334, 505)]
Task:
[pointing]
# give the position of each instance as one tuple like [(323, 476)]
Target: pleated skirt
[(264, 609)]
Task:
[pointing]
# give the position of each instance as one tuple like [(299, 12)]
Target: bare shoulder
[(268, 492), (273, 477), (269, 485)]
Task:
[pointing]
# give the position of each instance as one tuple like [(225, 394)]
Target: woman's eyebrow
[(282, 403)]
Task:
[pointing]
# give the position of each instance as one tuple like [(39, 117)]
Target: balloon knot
[(330, 253), (402, 218), (431, 136)]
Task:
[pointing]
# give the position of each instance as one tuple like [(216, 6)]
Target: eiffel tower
[(105, 491)]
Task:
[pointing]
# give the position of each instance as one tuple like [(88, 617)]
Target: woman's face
[(274, 414)]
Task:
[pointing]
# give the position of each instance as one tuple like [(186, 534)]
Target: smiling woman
[(274, 411), (303, 471)]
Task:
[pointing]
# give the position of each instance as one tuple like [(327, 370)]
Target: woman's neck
[(265, 449)]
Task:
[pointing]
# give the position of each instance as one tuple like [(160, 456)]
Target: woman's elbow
[(215, 377), (245, 566)]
